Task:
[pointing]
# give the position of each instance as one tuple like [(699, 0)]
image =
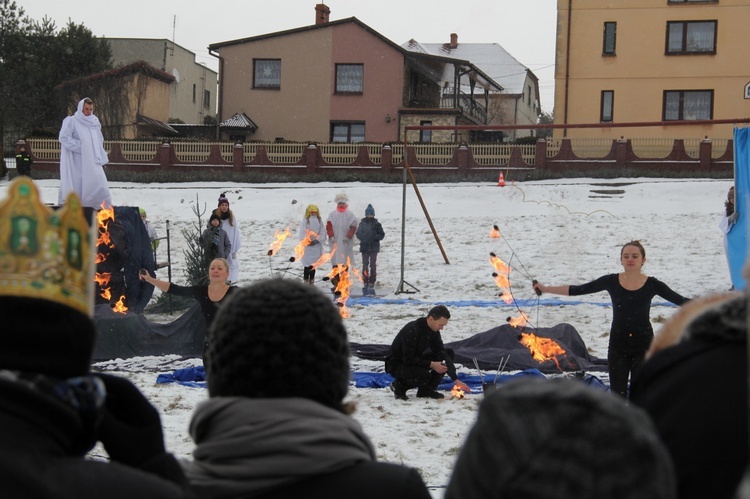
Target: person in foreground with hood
[(694, 386), (82, 158), (53, 410), (275, 425), (558, 438)]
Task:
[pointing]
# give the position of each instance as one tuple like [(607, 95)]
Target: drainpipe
[(567, 67), (220, 96)]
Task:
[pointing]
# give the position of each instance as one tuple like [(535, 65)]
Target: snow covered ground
[(556, 231)]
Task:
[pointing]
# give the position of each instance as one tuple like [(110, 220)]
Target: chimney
[(321, 13), (454, 41)]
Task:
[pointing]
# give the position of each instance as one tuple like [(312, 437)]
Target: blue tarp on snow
[(737, 237), (196, 377)]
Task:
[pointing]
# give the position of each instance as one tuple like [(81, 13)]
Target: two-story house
[(131, 102), (342, 81), (516, 104), (651, 61), (192, 96)]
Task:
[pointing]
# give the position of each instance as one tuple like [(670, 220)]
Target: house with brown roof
[(131, 102), (342, 81)]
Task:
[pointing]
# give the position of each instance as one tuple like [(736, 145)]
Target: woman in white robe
[(230, 226), (82, 158)]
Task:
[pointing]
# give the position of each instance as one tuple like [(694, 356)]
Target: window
[(193, 93), (692, 1), (349, 78), (267, 73), (688, 105), (610, 38), (348, 132), (425, 135), (691, 37), (607, 106), (207, 99)]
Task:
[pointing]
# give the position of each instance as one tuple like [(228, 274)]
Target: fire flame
[(495, 232), (104, 217), (102, 278), (502, 271), (276, 245), (325, 257), (342, 287), (542, 349), (457, 392), (519, 321), (120, 307), (299, 250)]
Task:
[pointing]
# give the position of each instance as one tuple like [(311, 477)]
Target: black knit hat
[(223, 199), (279, 338), (45, 337), (213, 217), (560, 438)]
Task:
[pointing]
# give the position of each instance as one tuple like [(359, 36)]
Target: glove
[(329, 229), (351, 231), (131, 428), (733, 217), (313, 242)]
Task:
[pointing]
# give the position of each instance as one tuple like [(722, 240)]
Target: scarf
[(247, 447), (84, 395), (89, 130)]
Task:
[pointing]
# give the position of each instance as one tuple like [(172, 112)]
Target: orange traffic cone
[(501, 180)]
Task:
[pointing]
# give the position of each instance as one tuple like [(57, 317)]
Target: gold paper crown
[(45, 253)]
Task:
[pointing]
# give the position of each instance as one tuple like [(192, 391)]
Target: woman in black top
[(208, 296), (631, 293)]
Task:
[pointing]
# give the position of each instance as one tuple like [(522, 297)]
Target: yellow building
[(633, 61)]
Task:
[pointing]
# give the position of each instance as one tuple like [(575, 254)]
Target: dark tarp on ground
[(490, 347), (132, 335)]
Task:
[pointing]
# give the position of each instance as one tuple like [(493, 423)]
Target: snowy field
[(557, 231)]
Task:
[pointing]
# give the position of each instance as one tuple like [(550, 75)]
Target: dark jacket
[(23, 163), (41, 456), (366, 480), (696, 394), (418, 345), (369, 233)]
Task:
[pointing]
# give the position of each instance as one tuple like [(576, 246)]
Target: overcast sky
[(525, 28)]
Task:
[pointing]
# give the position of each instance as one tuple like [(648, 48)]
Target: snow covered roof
[(491, 58), (239, 120)]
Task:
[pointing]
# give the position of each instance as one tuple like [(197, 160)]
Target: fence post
[(386, 158), (165, 153), (463, 158), (238, 156), (621, 153), (540, 154), (705, 152), (311, 157)]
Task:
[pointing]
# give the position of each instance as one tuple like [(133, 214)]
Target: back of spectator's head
[(559, 438), (46, 285), (279, 338)]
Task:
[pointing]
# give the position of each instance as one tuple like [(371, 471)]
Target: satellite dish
[(176, 75)]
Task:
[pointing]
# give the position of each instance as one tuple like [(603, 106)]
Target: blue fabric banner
[(737, 237)]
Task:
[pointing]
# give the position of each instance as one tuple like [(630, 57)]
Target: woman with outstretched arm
[(631, 292)]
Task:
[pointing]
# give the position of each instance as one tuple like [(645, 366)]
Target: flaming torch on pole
[(276, 246)]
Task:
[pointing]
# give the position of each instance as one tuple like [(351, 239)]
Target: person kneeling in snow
[(418, 359)]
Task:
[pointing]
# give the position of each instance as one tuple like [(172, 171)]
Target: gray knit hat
[(537, 438), (279, 338)]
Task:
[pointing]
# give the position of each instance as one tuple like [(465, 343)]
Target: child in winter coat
[(215, 240), (369, 233), (23, 162), (311, 228)]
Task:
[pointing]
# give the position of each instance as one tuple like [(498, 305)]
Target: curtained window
[(688, 105), (350, 78), (267, 73), (691, 37), (348, 132)]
